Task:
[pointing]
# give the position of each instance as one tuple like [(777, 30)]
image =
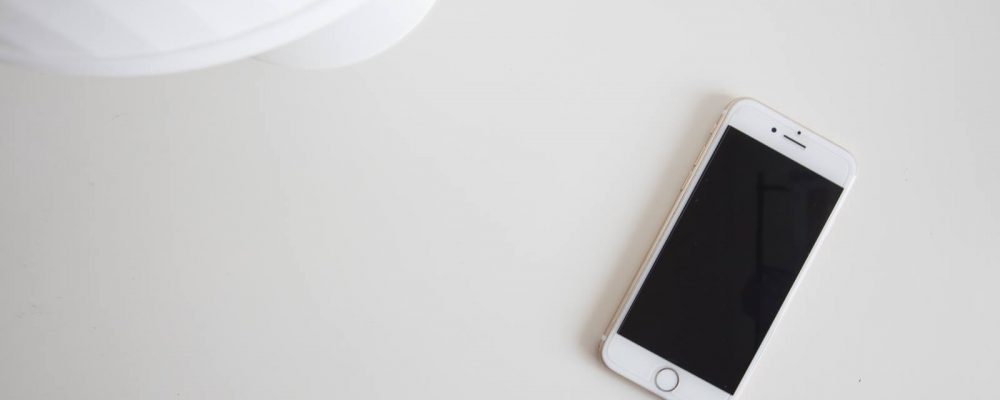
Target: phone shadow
[(620, 276)]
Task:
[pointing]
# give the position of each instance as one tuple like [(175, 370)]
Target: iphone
[(751, 215)]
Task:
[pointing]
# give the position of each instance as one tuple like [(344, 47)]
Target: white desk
[(459, 217)]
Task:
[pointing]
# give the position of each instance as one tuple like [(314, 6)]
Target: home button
[(666, 379)]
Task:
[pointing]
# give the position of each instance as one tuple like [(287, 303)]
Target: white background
[(459, 217)]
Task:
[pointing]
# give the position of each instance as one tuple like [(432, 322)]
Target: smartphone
[(751, 215)]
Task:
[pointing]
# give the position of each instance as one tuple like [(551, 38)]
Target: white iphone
[(754, 209)]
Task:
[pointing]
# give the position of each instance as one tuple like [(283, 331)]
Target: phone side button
[(667, 380)]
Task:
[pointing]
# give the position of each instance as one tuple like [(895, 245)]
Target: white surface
[(459, 217)]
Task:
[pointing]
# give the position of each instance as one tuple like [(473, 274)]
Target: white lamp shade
[(129, 37)]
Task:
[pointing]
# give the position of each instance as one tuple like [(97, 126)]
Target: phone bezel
[(801, 145)]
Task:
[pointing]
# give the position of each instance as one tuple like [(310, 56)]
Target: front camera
[(773, 130)]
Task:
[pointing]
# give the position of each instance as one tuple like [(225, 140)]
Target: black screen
[(730, 260)]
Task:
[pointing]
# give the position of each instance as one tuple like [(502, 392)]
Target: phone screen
[(730, 260)]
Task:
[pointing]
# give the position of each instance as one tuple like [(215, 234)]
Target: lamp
[(148, 37)]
